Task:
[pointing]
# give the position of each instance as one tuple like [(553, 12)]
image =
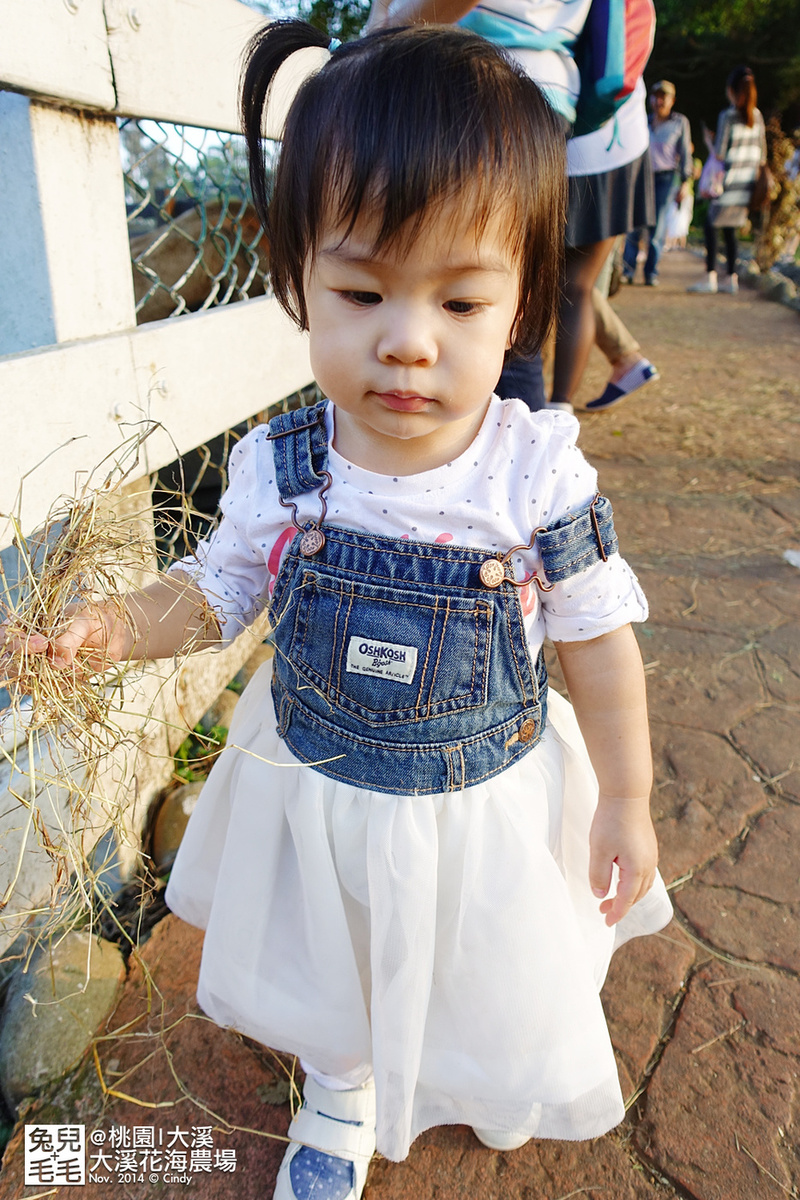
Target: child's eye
[(362, 298), (463, 308)]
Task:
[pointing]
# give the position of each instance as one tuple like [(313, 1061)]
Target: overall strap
[(578, 540), (300, 449)]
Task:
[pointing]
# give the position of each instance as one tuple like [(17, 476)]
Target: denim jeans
[(400, 666), (522, 379), (666, 189)]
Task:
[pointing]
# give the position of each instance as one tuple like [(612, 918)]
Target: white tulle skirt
[(450, 941)]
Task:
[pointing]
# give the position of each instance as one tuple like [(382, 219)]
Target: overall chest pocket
[(389, 653)]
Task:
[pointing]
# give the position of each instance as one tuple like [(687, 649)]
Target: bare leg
[(576, 320)]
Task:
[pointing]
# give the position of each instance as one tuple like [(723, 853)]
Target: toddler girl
[(403, 860)]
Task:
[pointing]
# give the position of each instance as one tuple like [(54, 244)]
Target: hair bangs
[(404, 125)]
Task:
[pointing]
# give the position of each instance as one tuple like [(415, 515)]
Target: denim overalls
[(403, 666)]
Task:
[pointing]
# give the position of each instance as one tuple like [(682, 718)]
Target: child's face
[(408, 344)]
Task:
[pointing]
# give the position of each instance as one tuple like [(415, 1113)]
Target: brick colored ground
[(703, 471)]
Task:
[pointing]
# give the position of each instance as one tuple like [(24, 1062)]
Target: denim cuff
[(299, 461), (578, 540)]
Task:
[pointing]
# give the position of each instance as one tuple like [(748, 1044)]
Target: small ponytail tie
[(333, 44)]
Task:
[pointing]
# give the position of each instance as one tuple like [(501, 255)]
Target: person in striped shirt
[(741, 145)]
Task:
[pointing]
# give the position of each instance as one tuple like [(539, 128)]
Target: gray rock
[(790, 270), (749, 273), (784, 293), (171, 821), (44, 1036)]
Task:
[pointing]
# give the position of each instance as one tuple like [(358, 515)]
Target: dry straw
[(63, 724)]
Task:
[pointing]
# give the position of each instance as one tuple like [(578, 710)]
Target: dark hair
[(400, 122), (742, 84)]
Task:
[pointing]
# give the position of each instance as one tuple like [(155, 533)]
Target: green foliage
[(195, 757), (698, 42), (342, 19)]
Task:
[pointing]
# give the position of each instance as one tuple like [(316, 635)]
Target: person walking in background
[(610, 192), (740, 144), (671, 156), (610, 180), (630, 370)]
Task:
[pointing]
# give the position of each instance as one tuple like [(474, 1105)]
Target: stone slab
[(747, 903), (712, 603), (644, 983), (704, 794), (719, 1111), (184, 1070), (745, 926), (450, 1164), (770, 737), (767, 864), (779, 657), (702, 680)]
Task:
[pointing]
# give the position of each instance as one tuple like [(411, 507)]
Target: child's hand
[(92, 635), (622, 833)]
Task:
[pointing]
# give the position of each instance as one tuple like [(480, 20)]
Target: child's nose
[(407, 338)]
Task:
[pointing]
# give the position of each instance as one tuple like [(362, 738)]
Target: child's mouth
[(404, 401)]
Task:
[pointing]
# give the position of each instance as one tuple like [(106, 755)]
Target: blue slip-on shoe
[(332, 1141), (644, 372)]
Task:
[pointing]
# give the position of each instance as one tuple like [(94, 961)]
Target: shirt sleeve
[(229, 566), (722, 140), (606, 595), (685, 166)]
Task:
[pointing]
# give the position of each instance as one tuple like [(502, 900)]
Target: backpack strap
[(578, 540), (300, 449)]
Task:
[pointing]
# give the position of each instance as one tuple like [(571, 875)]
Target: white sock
[(339, 1083)]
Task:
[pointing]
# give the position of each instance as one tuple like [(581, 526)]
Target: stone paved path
[(703, 471)]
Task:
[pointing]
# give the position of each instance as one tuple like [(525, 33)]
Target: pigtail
[(266, 53)]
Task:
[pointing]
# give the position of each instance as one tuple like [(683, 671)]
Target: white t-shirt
[(522, 470), (620, 141)]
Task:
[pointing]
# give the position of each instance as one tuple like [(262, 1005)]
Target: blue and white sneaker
[(643, 372), (332, 1141)]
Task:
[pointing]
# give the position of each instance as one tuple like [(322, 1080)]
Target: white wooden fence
[(73, 365)]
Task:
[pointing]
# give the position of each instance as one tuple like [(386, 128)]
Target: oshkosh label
[(386, 659)]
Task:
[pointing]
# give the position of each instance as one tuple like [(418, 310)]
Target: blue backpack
[(611, 54)]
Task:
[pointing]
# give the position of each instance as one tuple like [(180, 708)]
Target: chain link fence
[(195, 239), (196, 243)]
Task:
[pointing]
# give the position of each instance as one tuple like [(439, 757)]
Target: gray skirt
[(609, 203)]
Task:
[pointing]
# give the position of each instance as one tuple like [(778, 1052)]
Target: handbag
[(710, 183), (762, 189)]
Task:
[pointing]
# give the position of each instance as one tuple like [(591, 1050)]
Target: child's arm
[(170, 615), (409, 12), (606, 684)]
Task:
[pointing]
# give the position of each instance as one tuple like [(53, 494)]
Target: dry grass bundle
[(62, 725), (86, 553), (82, 556)]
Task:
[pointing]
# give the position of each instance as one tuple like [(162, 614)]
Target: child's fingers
[(631, 887), (87, 630), (600, 866)]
